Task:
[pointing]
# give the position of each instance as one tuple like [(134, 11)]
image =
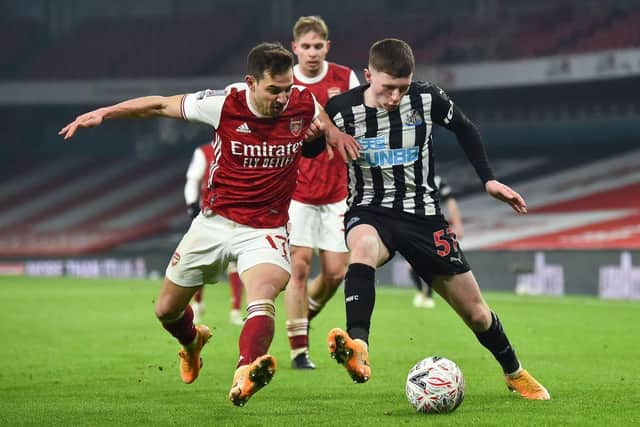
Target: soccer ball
[(435, 384)]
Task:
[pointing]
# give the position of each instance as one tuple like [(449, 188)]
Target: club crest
[(175, 259), (295, 126), (413, 118)]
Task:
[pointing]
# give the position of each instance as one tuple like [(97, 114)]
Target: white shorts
[(212, 242), (318, 226)]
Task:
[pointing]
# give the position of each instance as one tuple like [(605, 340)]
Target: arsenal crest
[(295, 126), (175, 259)]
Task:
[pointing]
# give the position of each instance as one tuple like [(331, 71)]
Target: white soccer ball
[(435, 384)]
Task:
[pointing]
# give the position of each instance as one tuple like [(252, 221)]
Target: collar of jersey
[(310, 80), (255, 112)]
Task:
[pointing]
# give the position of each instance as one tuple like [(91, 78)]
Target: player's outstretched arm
[(346, 145), (504, 193), (147, 106)]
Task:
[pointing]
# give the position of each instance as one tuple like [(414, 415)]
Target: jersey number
[(443, 246), (283, 243)]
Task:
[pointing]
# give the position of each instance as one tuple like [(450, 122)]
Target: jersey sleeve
[(195, 172), (353, 80), (204, 107), (445, 113), (443, 109), (197, 166)]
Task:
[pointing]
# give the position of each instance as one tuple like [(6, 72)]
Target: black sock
[(417, 282), (429, 291), (496, 341), (359, 297)]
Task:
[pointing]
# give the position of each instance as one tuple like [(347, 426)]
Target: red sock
[(236, 290), (257, 331), (297, 331), (197, 297), (183, 329)]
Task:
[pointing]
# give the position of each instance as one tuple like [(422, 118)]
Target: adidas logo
[(243, 128)]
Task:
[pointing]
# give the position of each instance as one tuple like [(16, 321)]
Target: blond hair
[(314, 23)]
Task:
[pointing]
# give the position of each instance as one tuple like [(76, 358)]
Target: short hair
[(271, 58), (392, 56), (314, 23)]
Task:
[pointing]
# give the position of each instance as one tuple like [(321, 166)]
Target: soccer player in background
[(317, 210), (424, 296), (260, 132), (392, 207), (195, 191)]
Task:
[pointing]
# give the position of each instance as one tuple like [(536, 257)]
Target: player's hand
[(87, 120), (346, 145), (504, 193), (458, 230)]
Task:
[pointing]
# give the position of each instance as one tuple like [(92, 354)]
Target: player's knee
[(332, 278), (165, 312), (478, 318), (300, 270), (365, 249)]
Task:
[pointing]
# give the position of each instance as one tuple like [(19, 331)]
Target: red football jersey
[(320, 180), (210, 158), (255, 158)]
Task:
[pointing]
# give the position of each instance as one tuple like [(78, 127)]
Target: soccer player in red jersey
[(195, 191), (317, 210), (261, 131)]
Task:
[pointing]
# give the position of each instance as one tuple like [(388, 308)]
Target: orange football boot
[(190, 360), (353, 354), (526, 386), (250, 378)]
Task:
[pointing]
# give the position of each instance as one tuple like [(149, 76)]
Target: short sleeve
[(353, 80), (204, 107), (197, 166)]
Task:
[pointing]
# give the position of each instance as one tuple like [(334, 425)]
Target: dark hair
[(392, 56), (271, 58)]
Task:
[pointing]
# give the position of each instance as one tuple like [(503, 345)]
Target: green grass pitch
[(90, 352)]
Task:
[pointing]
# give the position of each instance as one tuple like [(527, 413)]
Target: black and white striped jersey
[(396, 166)]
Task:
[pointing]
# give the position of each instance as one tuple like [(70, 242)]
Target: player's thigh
[(263, 259), (264, 281), (330, 230), (333, 265), (369, 236), (366, 246), (304, 220), (201, 255), (429, 248), (462, 293), (301, 257)]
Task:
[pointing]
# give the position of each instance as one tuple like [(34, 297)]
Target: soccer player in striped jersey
[(261, 131), (317, 210), (393, 206)]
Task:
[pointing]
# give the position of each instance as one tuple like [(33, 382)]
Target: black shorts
[(426, 242)]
